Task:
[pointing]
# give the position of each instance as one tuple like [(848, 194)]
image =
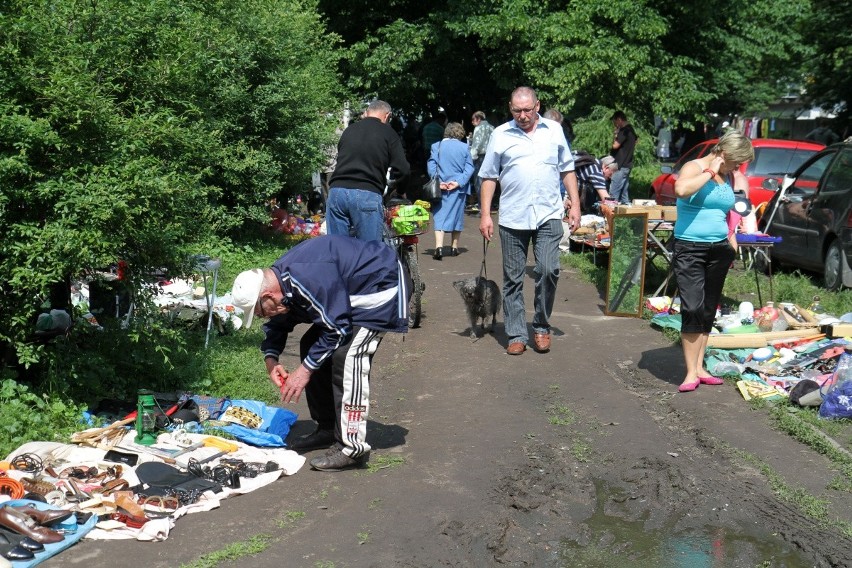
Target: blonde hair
[(736, 147), (455, 130)]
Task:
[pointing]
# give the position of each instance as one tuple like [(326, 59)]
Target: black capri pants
[(700, 270)]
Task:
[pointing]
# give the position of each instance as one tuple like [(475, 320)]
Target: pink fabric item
[(733, 221)]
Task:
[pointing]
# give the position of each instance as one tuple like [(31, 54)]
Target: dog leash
[(483, 274), (483, 271)]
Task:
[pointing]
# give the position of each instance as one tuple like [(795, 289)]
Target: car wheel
[(833, 267)]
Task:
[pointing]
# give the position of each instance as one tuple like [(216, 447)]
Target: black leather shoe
[(454, 252), (15, 553), (13, 539), (316, 440), (439, 254), (338, 461), (31, 545)]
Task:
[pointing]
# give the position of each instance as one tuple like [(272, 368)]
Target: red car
[(772, 159)]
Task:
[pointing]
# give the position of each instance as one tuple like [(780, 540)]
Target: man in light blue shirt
[(528, 156)]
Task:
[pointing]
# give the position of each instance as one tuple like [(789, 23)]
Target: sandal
[(159, 507)]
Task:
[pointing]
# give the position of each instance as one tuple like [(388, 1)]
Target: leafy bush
[(141, 130), (26, 416)]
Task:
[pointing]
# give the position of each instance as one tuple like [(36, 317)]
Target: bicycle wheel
[(409, 257)]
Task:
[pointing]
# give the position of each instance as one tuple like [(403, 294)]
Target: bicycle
[(403, 233)]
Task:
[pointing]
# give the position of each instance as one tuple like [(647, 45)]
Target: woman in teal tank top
[(704, 247)]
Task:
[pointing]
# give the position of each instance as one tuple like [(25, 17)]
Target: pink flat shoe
[(710, 380), (688, 387)]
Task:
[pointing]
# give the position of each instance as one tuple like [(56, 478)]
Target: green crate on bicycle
[(408, 219)]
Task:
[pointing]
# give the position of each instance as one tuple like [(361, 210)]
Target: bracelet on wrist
[(709, 171)]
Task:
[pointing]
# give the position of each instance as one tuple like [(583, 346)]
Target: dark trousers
[(338, 393), (700, 270)]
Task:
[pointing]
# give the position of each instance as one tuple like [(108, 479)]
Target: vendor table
[(589, 241), (661, 220), (749, 253)]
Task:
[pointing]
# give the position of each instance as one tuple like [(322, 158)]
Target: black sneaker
[(338, 461), (316, 440)]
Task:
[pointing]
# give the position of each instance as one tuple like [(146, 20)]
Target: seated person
[(593, 178)]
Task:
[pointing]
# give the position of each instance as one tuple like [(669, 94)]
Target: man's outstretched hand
[(292, 384)]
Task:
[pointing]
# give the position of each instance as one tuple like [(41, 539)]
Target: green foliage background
[(143, 131), (146, 131)]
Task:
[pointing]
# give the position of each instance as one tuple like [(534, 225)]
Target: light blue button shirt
[(529, 167)]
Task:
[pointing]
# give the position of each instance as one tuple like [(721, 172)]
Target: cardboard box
[(792, 322), (837, 330), (665, 212)]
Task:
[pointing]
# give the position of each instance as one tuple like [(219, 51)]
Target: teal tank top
[(702, 217)]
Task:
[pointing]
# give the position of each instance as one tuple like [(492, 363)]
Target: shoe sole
[(357, 465)]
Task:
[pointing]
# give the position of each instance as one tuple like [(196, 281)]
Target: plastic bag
[(837, 398)]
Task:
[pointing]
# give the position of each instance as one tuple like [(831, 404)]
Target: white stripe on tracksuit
[(355, 403)]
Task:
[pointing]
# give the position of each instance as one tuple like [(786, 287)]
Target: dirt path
[(585, 456)]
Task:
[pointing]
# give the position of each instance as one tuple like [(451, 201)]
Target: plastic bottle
[(843, 371), (728, 368), (816, 307), (746, 312)]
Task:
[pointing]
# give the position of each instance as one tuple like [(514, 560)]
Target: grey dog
[(481, 298)]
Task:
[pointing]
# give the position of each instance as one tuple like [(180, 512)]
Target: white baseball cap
[(246, 291)]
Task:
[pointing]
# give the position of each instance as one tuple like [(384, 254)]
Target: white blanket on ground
[(71, 455)]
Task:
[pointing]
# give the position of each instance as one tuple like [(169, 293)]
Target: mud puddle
[(611, 540)]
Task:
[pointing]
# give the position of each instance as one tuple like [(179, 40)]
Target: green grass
[(290, 518), (561, 415), (582, 451), (813, 507), (384, 462), (234, 551), (740, 285)]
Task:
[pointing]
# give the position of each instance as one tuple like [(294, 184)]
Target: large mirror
[(626, 276)]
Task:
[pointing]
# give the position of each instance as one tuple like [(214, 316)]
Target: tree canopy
[(137, 130), (655, 59)]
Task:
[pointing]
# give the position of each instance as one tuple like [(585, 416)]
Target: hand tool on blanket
[(224, 446), (828, 350), (800, 342), (135, 448), (209, 441)]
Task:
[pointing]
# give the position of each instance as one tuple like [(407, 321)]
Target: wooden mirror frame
[(625, 280)]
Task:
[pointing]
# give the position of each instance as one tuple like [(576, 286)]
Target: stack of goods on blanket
[(779, 351), (283, 221), (134, 477)]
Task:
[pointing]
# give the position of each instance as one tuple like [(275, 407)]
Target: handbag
[(432, 188)]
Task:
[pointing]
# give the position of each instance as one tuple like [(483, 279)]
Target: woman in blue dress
[(450, 160), (704, 245)]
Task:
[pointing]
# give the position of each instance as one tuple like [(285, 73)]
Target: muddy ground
[(585, 456)]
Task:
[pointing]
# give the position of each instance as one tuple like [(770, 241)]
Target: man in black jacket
[(366, 150), (623, 144)]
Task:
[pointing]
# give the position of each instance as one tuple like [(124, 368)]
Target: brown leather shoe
[(516, 348), (23, 524), (44, 516), (541, 342)]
